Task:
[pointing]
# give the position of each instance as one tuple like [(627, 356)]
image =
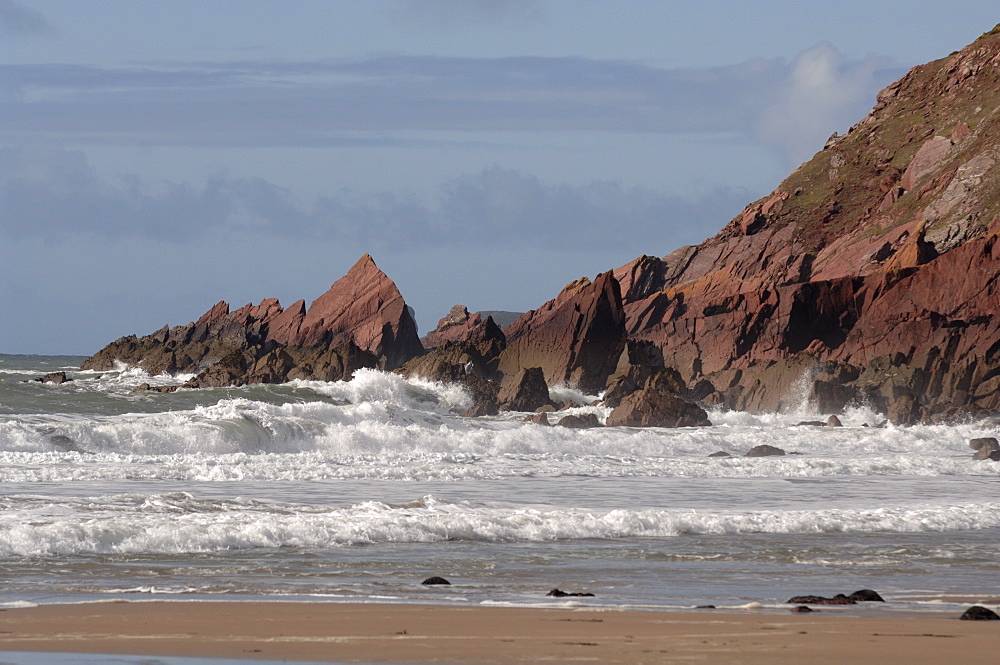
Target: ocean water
[(357, 491)]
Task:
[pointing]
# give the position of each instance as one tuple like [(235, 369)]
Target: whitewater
[(357, 491)]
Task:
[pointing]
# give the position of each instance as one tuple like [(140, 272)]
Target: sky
[(157, 157)]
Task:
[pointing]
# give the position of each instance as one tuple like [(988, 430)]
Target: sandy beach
[(425, 634)]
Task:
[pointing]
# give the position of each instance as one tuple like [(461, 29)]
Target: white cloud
[(824, 92)]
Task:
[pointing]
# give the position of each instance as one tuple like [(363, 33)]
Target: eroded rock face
[(575, 339)]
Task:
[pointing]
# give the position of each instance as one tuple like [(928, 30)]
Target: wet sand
[(447, 634)]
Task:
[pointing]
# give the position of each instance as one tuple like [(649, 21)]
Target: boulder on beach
[(979, 613)]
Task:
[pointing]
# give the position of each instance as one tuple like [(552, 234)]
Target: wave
[(178, 523)]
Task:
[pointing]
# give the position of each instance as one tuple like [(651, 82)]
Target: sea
[(357, 491)]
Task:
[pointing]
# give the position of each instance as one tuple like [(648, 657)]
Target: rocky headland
[(871, 275)]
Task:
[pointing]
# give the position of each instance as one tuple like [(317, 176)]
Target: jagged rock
[(576, 339), (524, 391), (361, 321), (582, 421), (652, 408), (979, 613), (905, 410), (765, 450)]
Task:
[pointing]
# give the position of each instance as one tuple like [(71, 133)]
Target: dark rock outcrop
[(653, 408), (979, 613), (764, 450), (582, 421)]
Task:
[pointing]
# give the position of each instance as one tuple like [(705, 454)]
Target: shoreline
[(327, 632)]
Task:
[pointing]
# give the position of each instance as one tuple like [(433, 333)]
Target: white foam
[(178, 523)]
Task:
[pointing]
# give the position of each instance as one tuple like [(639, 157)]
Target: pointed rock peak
[(218, 312), (365, 263)]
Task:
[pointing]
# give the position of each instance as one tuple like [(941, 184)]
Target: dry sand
[(446, 634)]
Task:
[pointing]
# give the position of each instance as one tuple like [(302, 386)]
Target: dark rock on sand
[(558, 593), (979, 613), (802, 609), (866, 596), (765, 450), (435, 580), (839, 599)]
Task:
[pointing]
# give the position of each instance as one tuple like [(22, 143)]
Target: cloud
[(16, 19), (56, 195), (822, 93), (791, 106)]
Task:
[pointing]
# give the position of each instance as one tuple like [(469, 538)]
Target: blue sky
[(156, 157)]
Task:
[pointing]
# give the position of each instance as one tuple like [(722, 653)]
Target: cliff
[(873, 267)]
